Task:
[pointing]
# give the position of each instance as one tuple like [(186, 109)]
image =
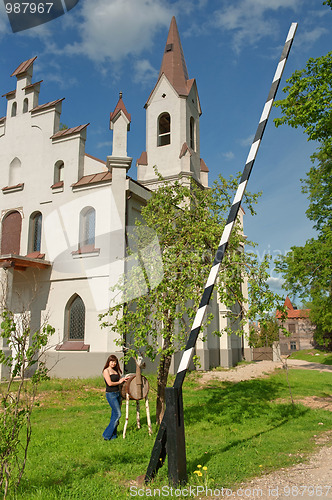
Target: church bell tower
[(172, 123)]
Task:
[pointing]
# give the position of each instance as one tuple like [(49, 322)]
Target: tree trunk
[(163, 369), (162, 376)]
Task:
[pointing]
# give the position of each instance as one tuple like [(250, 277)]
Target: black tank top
[(115, 377)]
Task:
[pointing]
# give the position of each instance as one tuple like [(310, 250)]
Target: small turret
[(120, 124)]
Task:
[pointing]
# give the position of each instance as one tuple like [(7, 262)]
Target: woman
[(111, 373)]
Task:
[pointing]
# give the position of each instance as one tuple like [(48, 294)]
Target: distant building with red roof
[(299, 326)]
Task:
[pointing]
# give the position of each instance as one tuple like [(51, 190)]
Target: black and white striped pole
[(170, 438)]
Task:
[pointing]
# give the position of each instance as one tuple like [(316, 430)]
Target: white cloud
[(104, 144), (229, 155), (247, 19), (52, 71), (308, 37), (145, 73), (113, 29), (61, 80), (247, 141), (275, 282), (4, 23)]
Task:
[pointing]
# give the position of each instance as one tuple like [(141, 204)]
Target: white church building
[(64, 213)]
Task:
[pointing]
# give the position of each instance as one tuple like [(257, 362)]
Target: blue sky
[(232, 48)]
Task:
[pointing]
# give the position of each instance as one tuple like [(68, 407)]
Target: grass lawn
[(314, 356), (237, 431)]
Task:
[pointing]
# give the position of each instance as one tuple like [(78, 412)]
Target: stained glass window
[(36, 232), (76, 319)]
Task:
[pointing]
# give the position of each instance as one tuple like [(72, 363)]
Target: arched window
[(14, 109), (87, 229), (75, 319), (192, 134), (14, 172), (164, 129), (25, 105), (35, 232), (58, 172), (11, 233)]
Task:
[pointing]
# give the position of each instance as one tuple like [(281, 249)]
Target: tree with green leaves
[(22, 357), (265, 334), (176, 242), (307, 269)]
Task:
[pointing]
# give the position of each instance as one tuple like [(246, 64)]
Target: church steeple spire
[(172, 122), (173, 64)]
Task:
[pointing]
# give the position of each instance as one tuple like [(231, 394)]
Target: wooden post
[(127, 416), (175, 445), (139, 378), (138, 415), (148, 418)]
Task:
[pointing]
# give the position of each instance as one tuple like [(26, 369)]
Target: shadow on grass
[(237, 403), (232, 402), (286, 413)]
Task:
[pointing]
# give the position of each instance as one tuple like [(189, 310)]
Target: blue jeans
[(114, 400)]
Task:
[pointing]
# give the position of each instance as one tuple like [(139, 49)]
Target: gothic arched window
[(14, 109), (58, 172), (14, 172), (87, 229), (75, 319), (25, 105), (35, 232), (164, 129)]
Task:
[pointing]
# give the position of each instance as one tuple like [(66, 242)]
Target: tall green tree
[(176, 242), (307, 269)]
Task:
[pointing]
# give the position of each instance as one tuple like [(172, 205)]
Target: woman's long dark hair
[(117, 368)]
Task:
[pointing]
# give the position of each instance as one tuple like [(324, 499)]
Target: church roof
[(143, 159), (93, 179), (173, 64), (47, 105), (204, 168), (23, 67), (69, 131), (32, 85), (95, 158), (9, 94), (120, 107), (184, 149), (288, 304)]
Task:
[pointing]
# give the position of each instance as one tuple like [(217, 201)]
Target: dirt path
[(311, 479), (259, 369)]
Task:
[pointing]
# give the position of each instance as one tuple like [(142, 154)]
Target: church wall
[(166, 158)]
